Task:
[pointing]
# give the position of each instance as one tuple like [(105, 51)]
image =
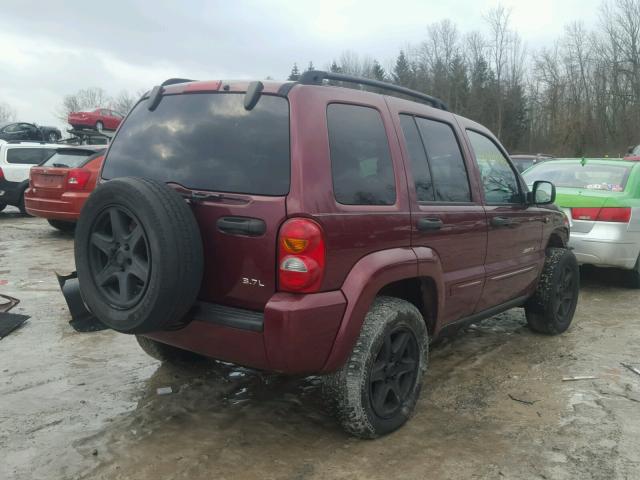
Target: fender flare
[(368, 276)]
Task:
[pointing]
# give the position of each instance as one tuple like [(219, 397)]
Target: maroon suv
[(306, 228)]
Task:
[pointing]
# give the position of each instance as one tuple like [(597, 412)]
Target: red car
[(100, 119), (59, 187)]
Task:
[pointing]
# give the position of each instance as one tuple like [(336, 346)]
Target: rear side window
[(29, 156), (417, 159), (360, 158), (206, 141), (445, 158)]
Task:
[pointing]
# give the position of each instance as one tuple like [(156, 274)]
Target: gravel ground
[(494, 404)]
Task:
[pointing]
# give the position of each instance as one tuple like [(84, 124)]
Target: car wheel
[(21, 207), (52, 137), (376, 391), (99, 126), (634, 275), (3, 206), (551, 309), (167, 353), (67, 227), (138, 254)]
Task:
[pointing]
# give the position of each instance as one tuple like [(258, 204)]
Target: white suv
[(16, 159)]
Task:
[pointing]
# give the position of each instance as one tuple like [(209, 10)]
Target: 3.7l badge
[(252, 282)]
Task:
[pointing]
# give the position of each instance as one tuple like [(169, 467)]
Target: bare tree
[(498, 20), (85, 99), (7, 114), (125, 101)]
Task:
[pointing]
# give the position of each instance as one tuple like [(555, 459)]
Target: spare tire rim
[(119, 257), (394, 372)]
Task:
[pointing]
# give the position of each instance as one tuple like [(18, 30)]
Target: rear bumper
[(10, 192), (608, 244), (66, 207), (294, 335)]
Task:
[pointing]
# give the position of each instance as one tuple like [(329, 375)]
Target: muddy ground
[(86, 405)]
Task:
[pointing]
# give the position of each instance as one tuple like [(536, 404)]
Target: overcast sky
[(53, 50)]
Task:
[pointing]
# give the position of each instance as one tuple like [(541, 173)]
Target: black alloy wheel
[(119, 257), (394, 372), (565, 292)]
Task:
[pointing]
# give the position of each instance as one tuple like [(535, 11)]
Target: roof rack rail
[(315, 77)]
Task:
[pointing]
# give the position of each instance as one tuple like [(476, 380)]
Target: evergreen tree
[(310, 67), (402, 72), (335, 68), (377, 72), (295, 73)]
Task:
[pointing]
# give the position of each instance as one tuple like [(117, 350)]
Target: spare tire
[(138, 255)]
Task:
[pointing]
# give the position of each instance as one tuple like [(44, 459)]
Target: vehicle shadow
[(594, 277)]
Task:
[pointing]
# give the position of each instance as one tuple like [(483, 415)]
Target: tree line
[(581, 96)]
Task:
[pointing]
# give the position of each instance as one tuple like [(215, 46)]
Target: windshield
[(68, 158), (636, 151), (590, 176), (206, 141)]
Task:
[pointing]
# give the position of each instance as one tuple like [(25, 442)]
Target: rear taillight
[(605, 214), (77, 178), (301, 256), (1, 174)]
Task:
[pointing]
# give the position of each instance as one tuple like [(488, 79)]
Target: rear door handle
[(502, 222), (252, 227), (429, 224)]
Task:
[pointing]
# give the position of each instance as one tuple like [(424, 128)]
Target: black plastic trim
[(488, 313), (228, 316), (252, 227)]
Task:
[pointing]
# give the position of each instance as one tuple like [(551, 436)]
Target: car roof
[(593, 161), (29, 144)]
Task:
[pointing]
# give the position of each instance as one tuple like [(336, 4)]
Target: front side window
[(450, 178), (498, 178), (29, 156), (360, 157)]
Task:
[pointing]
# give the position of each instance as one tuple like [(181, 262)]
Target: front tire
[(67, 227), (551, 309), (376, 391)]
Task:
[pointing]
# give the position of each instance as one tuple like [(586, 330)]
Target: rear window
[(68, 158), (206, 141), (590, 176), (29, 156)]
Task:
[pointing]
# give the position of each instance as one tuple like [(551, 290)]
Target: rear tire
[(67, 227), (551, 309), (376, 391), (138, 254), (634, 275), (167, 353), (21, 207)]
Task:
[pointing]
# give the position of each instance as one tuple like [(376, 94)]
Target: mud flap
[(82, 320)]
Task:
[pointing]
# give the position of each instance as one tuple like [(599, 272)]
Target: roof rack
[(315, 77)]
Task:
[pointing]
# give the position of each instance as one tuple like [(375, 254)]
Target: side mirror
[(543, 193)]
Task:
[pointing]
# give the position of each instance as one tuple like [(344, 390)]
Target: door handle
[(429, 224), (252, 227), (502, 222)]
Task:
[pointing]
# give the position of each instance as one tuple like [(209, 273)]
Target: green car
[(601, 198)]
